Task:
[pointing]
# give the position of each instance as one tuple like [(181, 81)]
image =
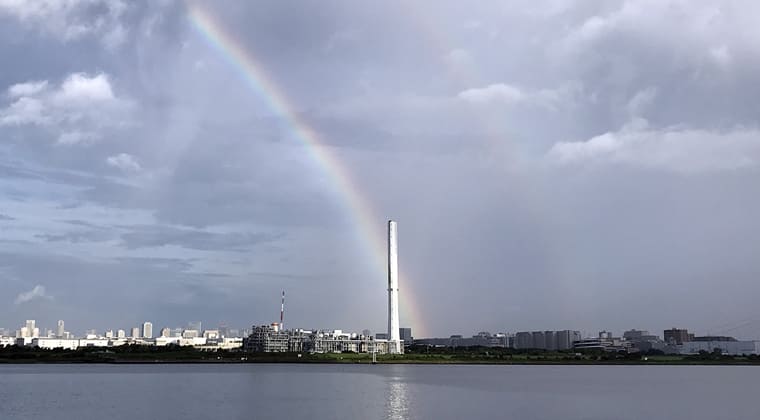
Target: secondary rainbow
[(366, 225)]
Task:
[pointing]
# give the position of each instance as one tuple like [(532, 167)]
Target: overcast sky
[(551, 164)]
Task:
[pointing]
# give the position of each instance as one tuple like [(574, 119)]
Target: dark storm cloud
[(550, 163)]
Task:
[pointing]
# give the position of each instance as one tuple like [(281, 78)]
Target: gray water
[(378, 392)]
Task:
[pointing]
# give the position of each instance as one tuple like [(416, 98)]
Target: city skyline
[(550, 163)]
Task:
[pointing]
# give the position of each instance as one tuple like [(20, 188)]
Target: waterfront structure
[(147, 330), (393, 319)]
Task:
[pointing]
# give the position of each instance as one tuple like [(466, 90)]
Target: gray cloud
[(549, 163), (158, 236)]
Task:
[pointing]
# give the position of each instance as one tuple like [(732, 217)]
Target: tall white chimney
[(393, 324)]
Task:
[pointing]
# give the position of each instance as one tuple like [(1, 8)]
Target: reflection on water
[(398, 399)]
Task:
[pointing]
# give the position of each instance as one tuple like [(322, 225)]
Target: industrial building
[(274, 338), (270, 339)]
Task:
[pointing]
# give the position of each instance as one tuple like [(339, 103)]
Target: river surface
[(271, 391)]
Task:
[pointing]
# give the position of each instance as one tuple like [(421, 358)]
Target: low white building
[(194, 341), (93, 342), (7, 341), (165, 341), (55, 343)]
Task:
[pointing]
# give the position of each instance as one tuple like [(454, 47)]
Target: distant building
[(121, 334), (714, 338), (732, 348), (166, 332), (59, 332), (147, 329), (55, 343), (604, 341), (550, 340), (190, 333), (539, 341), (270, 339), (677, 336), (135, 332), (644, 341), (524, 340), (566, 338), (405, 334), (381, 336)]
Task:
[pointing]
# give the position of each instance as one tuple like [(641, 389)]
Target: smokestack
[(393, 324), (282, 309)]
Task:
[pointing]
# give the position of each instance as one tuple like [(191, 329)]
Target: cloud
[(125, 162), (81, 88), (71, 20), (4, 217), (641, 100), (78, 111), (27, 89), (79, 97), (498, 92), (144, 236), (37, 293), (674, 149), (76, 137)]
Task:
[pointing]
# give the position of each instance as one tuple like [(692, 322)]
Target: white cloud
[(498, 92), (71, 19), (80, 87), (23, 111), (671, 149), (27, 89), (125, 162), (77, 108), (38, 292)]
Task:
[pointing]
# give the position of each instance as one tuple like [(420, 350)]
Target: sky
[(589, 165)]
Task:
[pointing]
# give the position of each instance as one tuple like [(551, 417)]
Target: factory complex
[(274, 338)]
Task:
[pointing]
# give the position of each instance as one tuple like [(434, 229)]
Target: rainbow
[(365, 223)]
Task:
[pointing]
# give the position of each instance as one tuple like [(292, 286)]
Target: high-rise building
[(147, 329), (59, 332), (135, 332), (566, 338), (195, 326), (121, 334), (166, 332), (405, 334), (539, 341), (550, 340)]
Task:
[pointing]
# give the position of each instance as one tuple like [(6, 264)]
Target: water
[(378, 392)]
